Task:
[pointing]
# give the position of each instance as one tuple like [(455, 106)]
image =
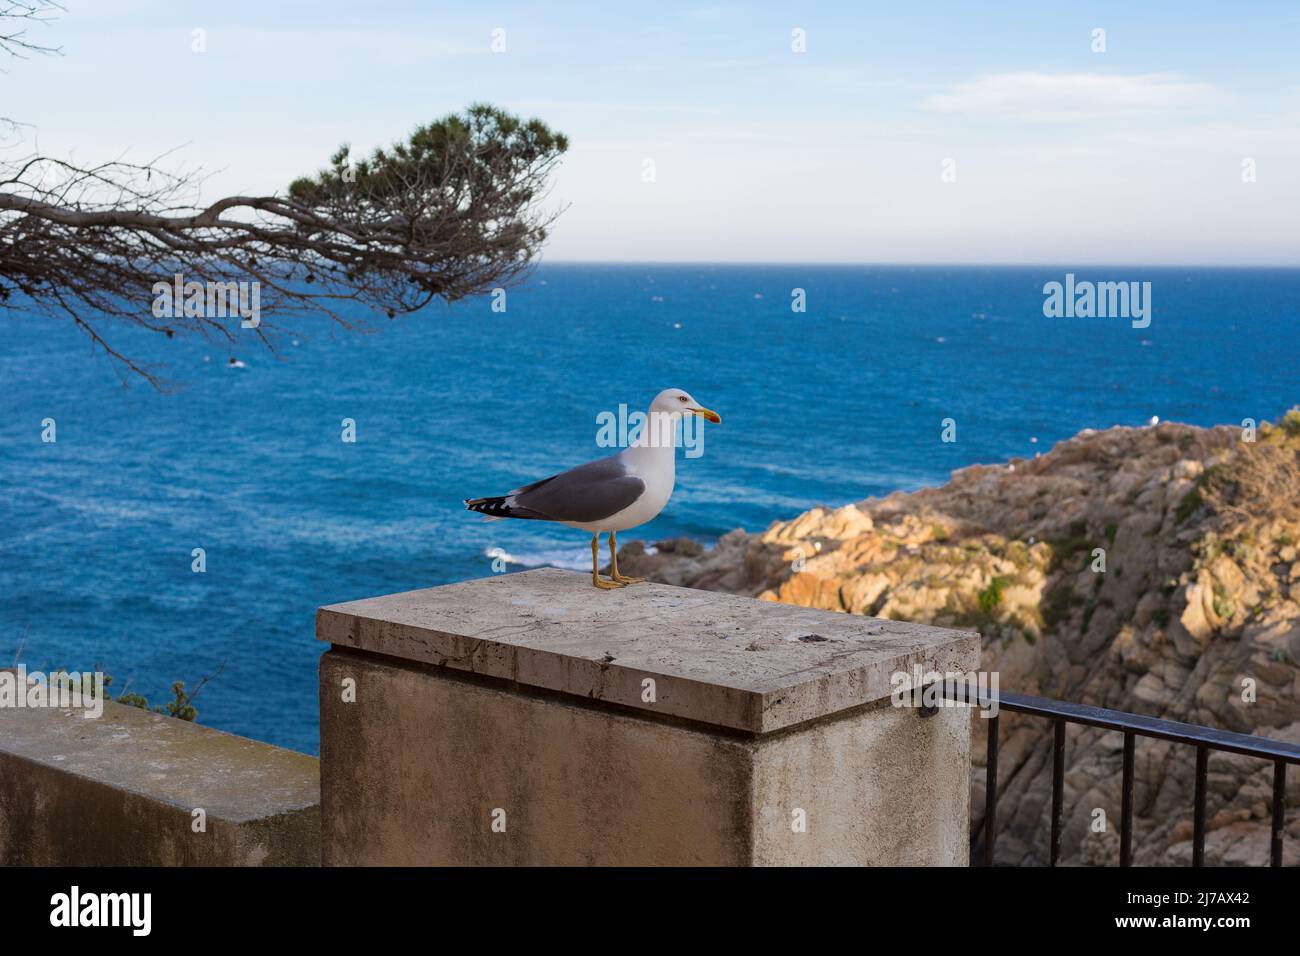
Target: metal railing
[(1204, 739)]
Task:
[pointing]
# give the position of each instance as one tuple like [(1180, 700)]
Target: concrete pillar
[(532, 719)]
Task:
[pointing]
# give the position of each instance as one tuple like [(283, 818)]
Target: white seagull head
[(676, 402)]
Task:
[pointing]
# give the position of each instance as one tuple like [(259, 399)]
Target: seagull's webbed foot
[(613, 565), (596, 579)]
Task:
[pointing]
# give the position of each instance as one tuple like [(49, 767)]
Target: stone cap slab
[(721, 659)]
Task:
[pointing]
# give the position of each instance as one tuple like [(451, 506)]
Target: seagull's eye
[(681, 398)]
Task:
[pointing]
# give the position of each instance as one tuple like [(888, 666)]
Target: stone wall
[(133, 788), (531, 719)]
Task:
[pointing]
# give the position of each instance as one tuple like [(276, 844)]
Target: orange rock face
[(1144, 569)]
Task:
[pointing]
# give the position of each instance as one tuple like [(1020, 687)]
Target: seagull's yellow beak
[(707, 414)]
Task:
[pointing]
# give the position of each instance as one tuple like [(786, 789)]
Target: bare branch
[(15, 16), (453, 211)]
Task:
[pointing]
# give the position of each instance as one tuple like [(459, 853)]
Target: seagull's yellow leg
[(596, 579), (613, 565)]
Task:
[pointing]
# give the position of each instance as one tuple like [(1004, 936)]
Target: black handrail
[(1204, 739)]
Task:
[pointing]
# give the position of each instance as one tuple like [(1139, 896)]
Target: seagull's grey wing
[(590, 492)]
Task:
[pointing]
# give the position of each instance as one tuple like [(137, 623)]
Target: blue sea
[(825, 406)]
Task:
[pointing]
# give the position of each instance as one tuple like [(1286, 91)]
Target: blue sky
[(836, 154)]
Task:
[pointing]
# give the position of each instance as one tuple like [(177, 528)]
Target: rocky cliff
[(1152, 570)]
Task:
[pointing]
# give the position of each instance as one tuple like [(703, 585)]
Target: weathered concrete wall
[(420, 764), (883, 786), (121, 790), (523, 734)]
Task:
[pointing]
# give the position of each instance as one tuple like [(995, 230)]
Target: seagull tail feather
[(502, 506)]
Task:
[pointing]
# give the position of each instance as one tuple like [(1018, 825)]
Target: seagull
[(610, 494)]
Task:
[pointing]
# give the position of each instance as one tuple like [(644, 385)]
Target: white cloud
[(1070, 96)]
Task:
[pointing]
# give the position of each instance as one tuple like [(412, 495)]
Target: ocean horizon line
[(1268, 267)]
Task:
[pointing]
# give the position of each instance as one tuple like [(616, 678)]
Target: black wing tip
[(499, 507)]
